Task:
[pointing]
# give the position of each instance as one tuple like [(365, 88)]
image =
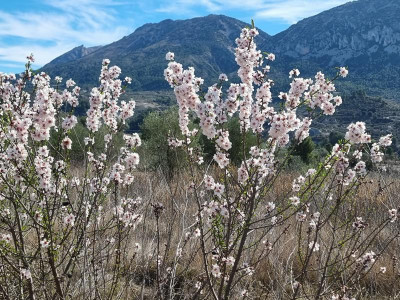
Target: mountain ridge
[(363, 35), (207, 43), (72, 55)]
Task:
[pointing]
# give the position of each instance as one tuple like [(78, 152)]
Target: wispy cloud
[(188, 6), (212, 6), (289, 11), (63, 25), (17, 54)]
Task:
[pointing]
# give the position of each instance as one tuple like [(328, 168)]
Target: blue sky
[(49, 28)]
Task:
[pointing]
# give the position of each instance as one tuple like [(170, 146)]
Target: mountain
[(207, 43), (367, 28), (71, 56), (363, 35)]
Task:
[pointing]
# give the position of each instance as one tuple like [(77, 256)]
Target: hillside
[(363, 35), (207, 43)]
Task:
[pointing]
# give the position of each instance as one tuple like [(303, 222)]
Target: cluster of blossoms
[(43, 168), (127, 211), (213, 207), (132, 160), (248, 58), (261, 159), (44, 108), (37, 172), (314, 246), (297, 183), (359, 223), (366, 261), (36, 119), (132, 141), (376, 153), (174, 143), (356, 135), (252, 104), (215, 271), (69, 122), (32, 120), (321, 95), (251, 100), (6, 238), (247, 270), (104, 100)]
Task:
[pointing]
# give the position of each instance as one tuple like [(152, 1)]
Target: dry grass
[(273, 276)]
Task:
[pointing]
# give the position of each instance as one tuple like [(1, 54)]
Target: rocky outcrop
[(362, 27), (73, 55)]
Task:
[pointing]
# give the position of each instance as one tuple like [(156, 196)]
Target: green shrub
[(157, 126), (235, 136)]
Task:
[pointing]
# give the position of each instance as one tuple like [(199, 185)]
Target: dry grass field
[(272, 278)]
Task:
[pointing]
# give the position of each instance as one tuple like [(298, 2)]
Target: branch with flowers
[(236, 228), (106, 230)]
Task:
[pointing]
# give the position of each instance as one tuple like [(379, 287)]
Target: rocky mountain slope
[(367, 28), (363, 35), (71, 56)]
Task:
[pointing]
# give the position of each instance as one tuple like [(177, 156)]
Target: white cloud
[(11, 65), (68, 24), (189, 6), (291, 11), (288, 11), (43, 54)]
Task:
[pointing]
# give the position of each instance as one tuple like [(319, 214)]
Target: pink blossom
[(343, 72), (66, 143), (169, 56), (69, 122), (26, 273), (69, 83), (69, 220)]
